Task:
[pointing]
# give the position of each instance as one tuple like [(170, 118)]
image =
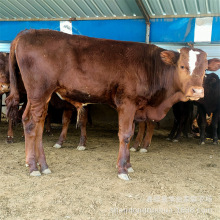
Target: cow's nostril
[(197, 91)]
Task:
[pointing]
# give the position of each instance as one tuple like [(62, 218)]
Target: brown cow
[(141, 81), (4, 73), (4, 88)]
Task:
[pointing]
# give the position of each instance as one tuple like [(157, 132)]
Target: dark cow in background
[(142, 81), (183, 118), (209, 104), (55, 102), (5, 87)]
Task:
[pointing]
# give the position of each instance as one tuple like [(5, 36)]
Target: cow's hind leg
[(126, 131), (41, 159), (33, 130), (30, 133), (66, 118)]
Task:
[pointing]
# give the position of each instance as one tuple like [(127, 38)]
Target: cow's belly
[(83, 97)]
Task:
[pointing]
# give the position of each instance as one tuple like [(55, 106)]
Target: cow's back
[(91, 70)]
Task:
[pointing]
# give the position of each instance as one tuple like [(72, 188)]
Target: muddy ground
[(171, 181)]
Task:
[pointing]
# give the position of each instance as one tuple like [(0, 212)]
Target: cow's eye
[(182, 67)]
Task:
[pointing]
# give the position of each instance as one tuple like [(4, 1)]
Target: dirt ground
[(171, 181)]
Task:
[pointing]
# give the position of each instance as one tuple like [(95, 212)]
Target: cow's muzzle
[(196, 93)]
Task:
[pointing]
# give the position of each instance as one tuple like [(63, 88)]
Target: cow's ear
[(213, 64), (168, 57)]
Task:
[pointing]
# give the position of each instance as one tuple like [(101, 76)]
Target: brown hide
[(55, 101), (4, 73), (101, 71), (141, 81)]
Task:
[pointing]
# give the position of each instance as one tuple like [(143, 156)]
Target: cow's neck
[(159, 112), (160, 102)]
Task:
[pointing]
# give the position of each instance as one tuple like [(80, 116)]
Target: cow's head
[(4, 73), (190, 64)]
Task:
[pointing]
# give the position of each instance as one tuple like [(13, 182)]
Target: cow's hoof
[(175, 140), (215, 142), (26, 165), (124, 176), (10, 140), (202, 143), (49, 133), (143, 150), (46, 171), (81, 148), (130, 170), (168, 139), (57, 146), (133, 149), (35, 173)]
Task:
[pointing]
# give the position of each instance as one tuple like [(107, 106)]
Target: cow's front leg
[(82, 124), (215, 127), (126, 130), (202, 124), (173, 131)]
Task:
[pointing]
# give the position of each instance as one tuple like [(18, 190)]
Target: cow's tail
[(81, 114), (12, 101)]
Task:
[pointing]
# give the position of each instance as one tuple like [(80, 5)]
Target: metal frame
[(52, 10), (75, 19)]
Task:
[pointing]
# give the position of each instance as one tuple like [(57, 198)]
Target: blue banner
[(216, 30), (173, 30), (125, 30), (10, 29)]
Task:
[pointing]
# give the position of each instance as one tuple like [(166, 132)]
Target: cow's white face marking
[(192, 60)]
